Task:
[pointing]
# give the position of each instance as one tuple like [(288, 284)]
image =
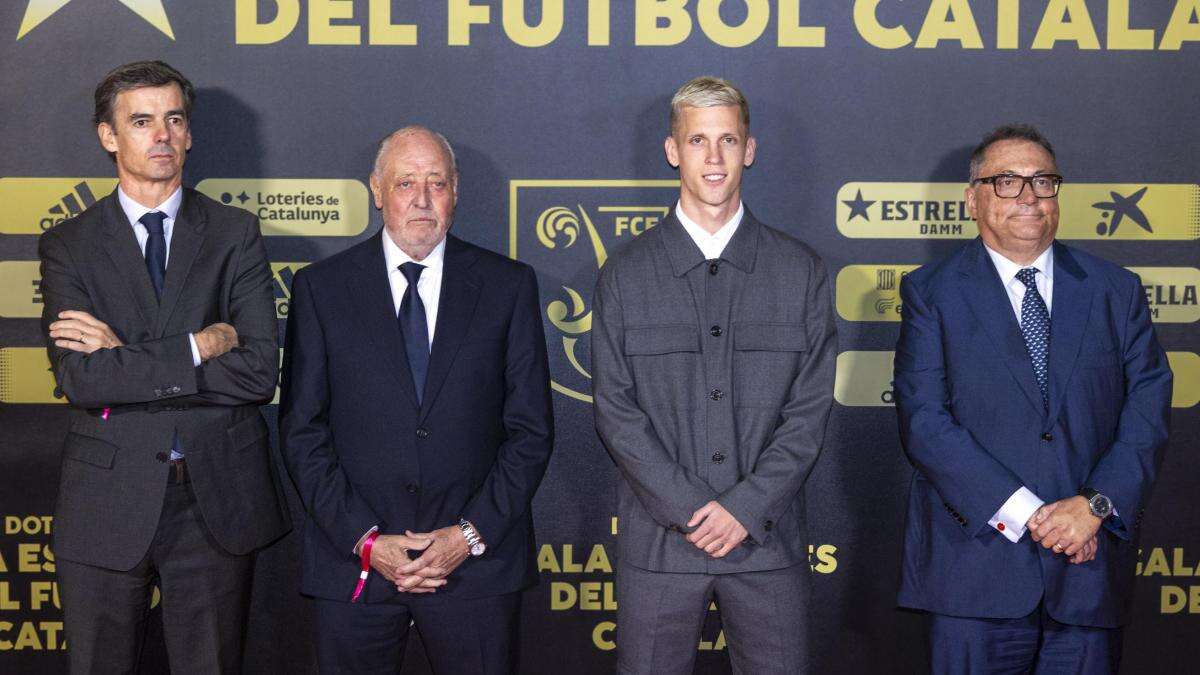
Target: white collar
[(134, 211), (1008, 269), (699, 234), (394, 257)]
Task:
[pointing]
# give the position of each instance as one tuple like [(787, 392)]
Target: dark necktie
[(1035, 328), (156, 265), (156, 249), (414, 327)]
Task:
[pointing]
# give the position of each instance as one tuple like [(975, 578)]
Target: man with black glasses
[(1033, 399)]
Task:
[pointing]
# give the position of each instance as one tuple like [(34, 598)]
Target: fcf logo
[(566, 229)]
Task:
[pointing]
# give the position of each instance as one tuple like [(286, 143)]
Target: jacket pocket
[(654, 340), (90, 450), (766, 359), (770, 337)]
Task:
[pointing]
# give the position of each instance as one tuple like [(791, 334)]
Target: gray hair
[(1007, 132), (707, 92), (386, 143)]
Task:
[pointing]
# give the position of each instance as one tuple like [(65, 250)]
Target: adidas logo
[(71, 205)]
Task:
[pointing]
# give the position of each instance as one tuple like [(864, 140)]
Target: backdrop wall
[(865, 112)]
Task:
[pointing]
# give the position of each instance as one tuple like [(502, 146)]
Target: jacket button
[(716, 394), (422, 432), (715, 331), (768, 525), (411, 488), (1047, 437), (718, 457), (713, 268)]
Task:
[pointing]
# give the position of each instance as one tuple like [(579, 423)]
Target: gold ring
[(1058, 548)]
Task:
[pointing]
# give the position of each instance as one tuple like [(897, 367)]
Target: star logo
[(1122, 207), (858, 206), (152, 11)]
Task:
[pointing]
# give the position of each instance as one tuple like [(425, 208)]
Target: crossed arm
[(95, 367)]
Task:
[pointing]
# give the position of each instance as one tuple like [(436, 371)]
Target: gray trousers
[(764, 616), (205, 600)]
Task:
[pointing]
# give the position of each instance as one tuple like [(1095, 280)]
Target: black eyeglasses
[(1010, 185)]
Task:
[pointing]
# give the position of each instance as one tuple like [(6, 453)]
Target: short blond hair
[(707, 91)]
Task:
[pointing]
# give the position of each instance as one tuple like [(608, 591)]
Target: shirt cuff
[(1010, 520), (359, 543), (195, 350)]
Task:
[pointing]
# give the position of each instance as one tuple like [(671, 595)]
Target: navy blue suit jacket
[(974, 426), (363, 453)]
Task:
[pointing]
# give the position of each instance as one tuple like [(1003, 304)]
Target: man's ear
[(108, 136), (671, 148), (751, 147), (376, 191)]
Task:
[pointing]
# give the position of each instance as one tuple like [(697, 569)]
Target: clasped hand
[(441, 552), (718, 532), (1068, 527)]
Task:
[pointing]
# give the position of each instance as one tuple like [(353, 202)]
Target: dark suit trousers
[(205, 598), (461, 637), (764, 616), (1031, 644)]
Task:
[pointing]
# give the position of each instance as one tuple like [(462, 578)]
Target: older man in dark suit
[(416, 419), (161, 319)]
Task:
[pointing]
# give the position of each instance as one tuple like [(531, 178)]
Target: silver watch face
[(1101, 506), (478, 548)]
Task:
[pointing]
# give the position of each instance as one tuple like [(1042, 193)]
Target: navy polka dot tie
[(1035, 327)]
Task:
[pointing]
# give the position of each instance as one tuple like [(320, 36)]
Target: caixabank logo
[(34, 205), (1132, 211), (872, 292), (566, 229), (864, 379)]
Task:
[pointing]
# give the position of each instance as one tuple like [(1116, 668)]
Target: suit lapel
[(121, 245), (985, 295), (371, 295), (456, 306), (187, 238), (1069, 315)]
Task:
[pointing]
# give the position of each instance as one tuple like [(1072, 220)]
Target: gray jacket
[(713, 381)]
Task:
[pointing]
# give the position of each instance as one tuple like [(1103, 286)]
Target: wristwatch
[(1100, 505), (474, 542)]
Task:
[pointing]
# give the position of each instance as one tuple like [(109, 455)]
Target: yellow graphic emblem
[(572, 225), (1146, 211), (865, 379), (152, 11)]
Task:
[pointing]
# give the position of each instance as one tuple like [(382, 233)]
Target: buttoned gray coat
[(713, 381)]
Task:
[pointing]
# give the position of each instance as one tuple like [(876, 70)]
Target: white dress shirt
[(429, 284), (1010, 520), (711, 244), (134, 211)]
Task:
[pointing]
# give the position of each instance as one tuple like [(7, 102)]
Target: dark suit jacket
[(363, 453), (973, 424), (713, 386), (114, 471)]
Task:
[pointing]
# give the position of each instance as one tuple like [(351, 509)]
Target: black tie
[(414, 328), (156, 249)]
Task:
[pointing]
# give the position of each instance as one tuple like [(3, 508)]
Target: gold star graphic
[(151, 10)]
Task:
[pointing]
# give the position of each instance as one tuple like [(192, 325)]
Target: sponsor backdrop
[(865, 112)]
